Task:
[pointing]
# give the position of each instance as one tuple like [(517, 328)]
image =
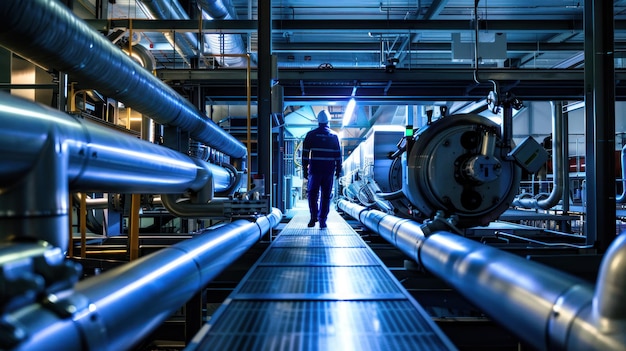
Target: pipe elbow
[(525, 202), (608, 308)]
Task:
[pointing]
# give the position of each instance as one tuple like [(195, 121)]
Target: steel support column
[(599, 122), (264, 145)]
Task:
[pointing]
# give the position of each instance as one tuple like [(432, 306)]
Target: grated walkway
[(319, 289)]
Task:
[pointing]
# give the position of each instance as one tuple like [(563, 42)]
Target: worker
[(321, 160)]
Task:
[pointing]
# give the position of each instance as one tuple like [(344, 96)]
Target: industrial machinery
[(460, 165)]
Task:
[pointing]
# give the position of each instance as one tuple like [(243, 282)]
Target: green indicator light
[(408, 131)]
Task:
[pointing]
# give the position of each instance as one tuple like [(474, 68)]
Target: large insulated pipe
[(117, 309), (44, 153), (558, 162), (548, 309), (46, 32), (223, 45), (168, 9)]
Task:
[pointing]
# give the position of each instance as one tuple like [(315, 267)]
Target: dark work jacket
[(321, 151)]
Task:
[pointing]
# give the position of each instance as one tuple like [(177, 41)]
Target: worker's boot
[(311, 223)]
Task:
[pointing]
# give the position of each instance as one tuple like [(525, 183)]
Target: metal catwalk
[(319, 289)]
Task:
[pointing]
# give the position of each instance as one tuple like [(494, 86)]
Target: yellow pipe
[(83, 225), (133, 227), (72, 98), (70, 247), (103, 252)]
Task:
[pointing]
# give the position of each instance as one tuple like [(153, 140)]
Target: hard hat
[(323, 117)]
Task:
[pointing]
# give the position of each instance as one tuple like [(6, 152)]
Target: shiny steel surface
[(546, 308), (115, 310), (317, 289), (57, 153), (454, 166), (40, 29), (97, 158), (609, 307)]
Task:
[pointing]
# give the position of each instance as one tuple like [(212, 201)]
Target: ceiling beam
[(374, 47), (360, 75), (380, 26)]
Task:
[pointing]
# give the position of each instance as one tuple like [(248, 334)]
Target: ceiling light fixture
[(347, 114)]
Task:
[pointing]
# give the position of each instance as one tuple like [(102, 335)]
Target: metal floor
[(319, 289)]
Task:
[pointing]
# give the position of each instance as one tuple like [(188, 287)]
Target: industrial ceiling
[(387, 50), (380, 52)]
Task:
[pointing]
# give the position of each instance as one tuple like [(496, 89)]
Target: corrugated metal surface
[(317, 289)]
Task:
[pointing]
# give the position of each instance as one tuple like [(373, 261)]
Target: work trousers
[(319, 184)]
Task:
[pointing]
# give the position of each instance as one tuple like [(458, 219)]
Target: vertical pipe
[(599, 122), (249, 119), (70, 213), (564, 155), (133, 227), (82, 217)]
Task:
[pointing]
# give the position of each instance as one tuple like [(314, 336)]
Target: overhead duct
[(39, 30), (230, 44), (117, 309), (45, 153), (548, 309), (187, 45)]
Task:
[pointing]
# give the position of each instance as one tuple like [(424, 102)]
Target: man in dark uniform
[(321, 160)]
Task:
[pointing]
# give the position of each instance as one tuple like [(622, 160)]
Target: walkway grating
[(320, 289)]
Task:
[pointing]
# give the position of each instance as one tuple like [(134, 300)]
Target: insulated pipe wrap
[(99, 159), (38, 30), (168, 9), (117, 309), (548, 309), (511, 285), (46, 153)]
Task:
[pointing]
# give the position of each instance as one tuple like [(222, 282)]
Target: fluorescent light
[(347, 115)]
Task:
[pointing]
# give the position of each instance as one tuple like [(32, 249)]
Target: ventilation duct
[(187, 43), (231, 44), (39, 30)]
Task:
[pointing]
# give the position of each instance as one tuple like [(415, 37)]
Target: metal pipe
[(621, 198), (609, 310), (548, 309), (231, 45), (564, 155), (38, 30), (117, 309), (45, 153), (558, 162), (93, 203), (168, 9), (215, 208), (224, 43), (98, 158)]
